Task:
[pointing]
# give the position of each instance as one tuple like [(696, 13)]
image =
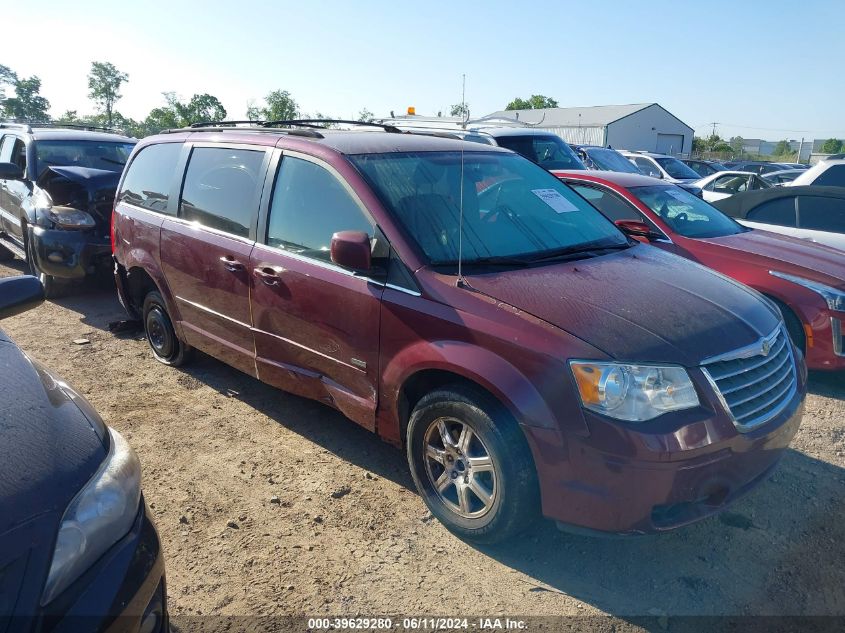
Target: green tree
[(460, 109), (832, 146), (27, 104), (712, 141), (737, 143), (8, 77), (279, 106), (365, 115), (698, 144), (782, 148), (104, 83), (204, 107), (534, 102)]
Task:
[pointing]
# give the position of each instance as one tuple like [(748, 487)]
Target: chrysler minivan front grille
[(755, 383)]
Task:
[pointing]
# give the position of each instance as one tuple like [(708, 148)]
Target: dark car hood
[(639, 305), (788, 254), (48, 448), (82, 188)]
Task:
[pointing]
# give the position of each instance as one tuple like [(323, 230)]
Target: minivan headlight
[(634, 393), (835, 298), (100, 514)]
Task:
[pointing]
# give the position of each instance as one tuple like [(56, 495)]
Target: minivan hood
[(638, 305), (48, 448), (787, 254)]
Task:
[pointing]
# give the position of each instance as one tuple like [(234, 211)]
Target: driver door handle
[(268, 275)]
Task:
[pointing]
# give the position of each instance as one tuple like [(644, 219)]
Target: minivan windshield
[(547, 150), (688, 215), (513, 211), (676, 169)]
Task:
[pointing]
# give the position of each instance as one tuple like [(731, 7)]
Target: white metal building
[(637, 126)]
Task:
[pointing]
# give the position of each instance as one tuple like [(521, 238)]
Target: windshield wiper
[(576, 252)]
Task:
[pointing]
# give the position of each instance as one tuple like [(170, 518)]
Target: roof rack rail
[(312, 122), (217, 126), (14, 124)]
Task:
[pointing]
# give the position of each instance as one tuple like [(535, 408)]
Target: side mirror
[(351, 249), (10, 171), (655, 174), (19, 294), (635, 228)]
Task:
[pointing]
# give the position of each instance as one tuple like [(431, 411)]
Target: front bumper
[(825, 339), (70, 254), (624, 480), (123, 590)]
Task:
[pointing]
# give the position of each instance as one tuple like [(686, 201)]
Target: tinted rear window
[(550, 152), (832, 176), (780, 212), (150, 176), (221, 187), (821, 214)]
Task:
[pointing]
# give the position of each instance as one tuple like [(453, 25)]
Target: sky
[(768, 69)]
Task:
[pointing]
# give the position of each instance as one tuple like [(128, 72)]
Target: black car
[(56, 195), (78, 549), (703, 167), (757, 166)]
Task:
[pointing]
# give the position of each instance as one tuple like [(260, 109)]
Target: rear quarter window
[(821, 214), (834, 175), (150, 176), (780, 212)]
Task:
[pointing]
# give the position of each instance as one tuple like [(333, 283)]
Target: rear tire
[(166, 346), (471, 465)]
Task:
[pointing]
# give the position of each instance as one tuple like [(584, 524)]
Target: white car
[(830, 171), (724, 184), (780, 178), (661, 166), (812, 213)]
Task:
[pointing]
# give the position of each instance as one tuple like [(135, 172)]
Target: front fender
[(477, 364)]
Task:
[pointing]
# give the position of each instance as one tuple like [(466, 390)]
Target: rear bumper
[(125, 589), (629, 490), (70, 254)]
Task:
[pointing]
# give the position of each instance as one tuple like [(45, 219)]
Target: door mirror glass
[(635, 228), (19, 294), (351, 249), (10, 171)]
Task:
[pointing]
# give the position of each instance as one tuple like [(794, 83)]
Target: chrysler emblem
[(766, 348)]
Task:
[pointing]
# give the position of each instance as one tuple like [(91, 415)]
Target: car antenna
[(462, 283)]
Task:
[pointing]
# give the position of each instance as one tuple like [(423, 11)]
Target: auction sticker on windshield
[(556, 201)]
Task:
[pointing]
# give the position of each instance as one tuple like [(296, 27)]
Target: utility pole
[(800, 147), (714, 124)]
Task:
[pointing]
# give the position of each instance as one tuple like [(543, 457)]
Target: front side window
[(106, 155), (780, 212), (821, 214), (500, 206), (688, 215), (647, 167), (309, 205), (548, 151), (221, 188), (834, 175), (150, 175), (729, 184), (676, 169)]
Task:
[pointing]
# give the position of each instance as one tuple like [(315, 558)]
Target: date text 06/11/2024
[(418, 624)]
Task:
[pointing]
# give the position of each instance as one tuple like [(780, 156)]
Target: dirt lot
[(269, 504)]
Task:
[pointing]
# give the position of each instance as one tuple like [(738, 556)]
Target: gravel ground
[(270, 505)]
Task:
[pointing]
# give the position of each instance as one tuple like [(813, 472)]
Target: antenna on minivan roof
[(461, 282)]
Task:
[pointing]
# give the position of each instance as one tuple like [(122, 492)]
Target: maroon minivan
[(464, 303)]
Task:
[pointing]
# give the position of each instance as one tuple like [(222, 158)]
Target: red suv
[(464, 303), (806, 280)]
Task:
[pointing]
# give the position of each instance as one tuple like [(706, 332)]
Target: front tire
[(166, 346), (471, 465), (52, 287)]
